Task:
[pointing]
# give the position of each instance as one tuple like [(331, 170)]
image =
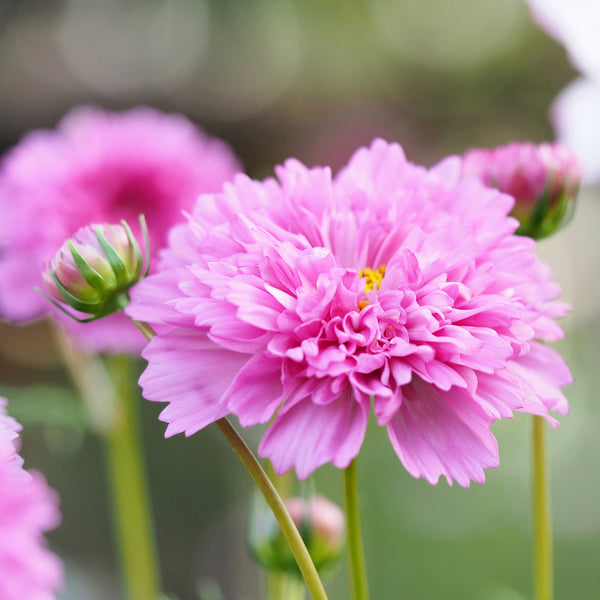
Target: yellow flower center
[(373, 281)]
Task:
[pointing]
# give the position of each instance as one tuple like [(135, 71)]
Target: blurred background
[(314, 79)]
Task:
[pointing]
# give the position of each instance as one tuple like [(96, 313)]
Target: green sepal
[(136, 248), (144, 228), (89, 308), (115, 260), (89, 273), (62, 308), (547, 219)]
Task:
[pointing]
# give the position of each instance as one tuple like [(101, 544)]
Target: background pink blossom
[(524, 170), (28, 508), (97, 167), (262, 312)]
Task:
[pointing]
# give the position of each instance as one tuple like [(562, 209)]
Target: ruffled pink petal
[(152, 299), (439, 433), (190, 372), (544, 371), (257, 390), (308, 435)]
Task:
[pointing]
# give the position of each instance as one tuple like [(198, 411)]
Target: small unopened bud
[(93, 271), (320, 523), (542, 179)]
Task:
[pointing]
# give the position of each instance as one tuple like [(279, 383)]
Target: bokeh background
[(314, 79)]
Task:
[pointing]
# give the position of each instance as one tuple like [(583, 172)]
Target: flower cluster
[(313, 300), (98, 167), (28, 508)]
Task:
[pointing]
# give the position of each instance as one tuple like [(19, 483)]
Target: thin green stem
[(282, 585), (132, 512), (288, 528), (543, 575), (294, 588), (358, 569), (110, 400), (147, 331)]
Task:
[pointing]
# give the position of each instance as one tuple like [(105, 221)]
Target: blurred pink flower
[(525, 170), (28, 508), (576, 24), (98, 167), (312, 300)]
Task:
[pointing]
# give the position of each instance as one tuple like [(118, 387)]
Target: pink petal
[(308, 435), (257, 390), (443, 433), (193, 374), (544, 371)]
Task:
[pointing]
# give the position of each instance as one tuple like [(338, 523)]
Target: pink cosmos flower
[(98, 167), (28, 508), (314, 300)]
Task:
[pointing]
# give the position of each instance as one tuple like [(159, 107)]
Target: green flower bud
[(320, 523), (93, 271)]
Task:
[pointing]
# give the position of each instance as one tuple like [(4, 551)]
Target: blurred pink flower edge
[(98, 167), (28, 509)]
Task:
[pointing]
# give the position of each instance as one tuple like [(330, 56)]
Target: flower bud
[(321, 526), (543, 180), (93, 271)]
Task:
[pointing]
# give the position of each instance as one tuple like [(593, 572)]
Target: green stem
[(285, 586), (358, 569), (111, 403), (288, 528), (130, 498), (146, 330), (294, 589), (543, 576), (281, 585)]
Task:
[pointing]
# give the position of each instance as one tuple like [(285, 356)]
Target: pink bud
[(542, 179), (320, 523), (326, 518), (93, 270)]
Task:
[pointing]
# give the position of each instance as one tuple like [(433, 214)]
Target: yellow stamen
[(373, 278)]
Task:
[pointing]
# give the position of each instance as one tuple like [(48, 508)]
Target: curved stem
[(543, 576), (358, 569), (288, 528)]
